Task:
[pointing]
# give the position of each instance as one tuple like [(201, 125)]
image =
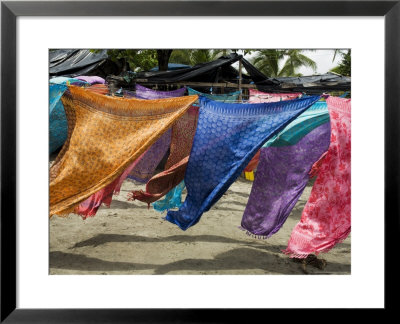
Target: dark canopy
[(74, 62), (313, 84)]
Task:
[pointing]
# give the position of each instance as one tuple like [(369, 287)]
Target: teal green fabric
[(233, 96), (171, 200), (58, 125), (313, 117)]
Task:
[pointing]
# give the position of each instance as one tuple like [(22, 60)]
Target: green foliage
[(268, 61), (197, 56), (138, 60), (344, 67)]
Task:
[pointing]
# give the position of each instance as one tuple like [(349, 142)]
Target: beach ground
[(129, 238)]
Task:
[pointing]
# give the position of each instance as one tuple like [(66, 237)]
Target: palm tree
[(197, 56), (294, 61), (267, 61)]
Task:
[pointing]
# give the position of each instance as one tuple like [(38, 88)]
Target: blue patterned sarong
[(227, 137)]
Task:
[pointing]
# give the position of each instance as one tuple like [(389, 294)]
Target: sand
[(128, 238)]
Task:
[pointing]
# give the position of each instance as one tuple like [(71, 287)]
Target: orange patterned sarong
[(105, 135)]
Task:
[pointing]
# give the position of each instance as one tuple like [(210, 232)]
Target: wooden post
[(240, 79)]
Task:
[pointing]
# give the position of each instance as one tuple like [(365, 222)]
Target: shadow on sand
[(240, 259)]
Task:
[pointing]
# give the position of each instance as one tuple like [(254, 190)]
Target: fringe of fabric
[(259, 237)]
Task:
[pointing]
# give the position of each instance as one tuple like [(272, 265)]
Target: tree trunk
[(163, 58)]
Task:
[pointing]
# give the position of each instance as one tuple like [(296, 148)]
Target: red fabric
[(326, 219), (181, 144), (161, 183), (253, 162), (90, 206), (317, 166)]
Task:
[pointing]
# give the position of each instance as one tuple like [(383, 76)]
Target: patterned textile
[(140, 171), (313, 117), (91, 79), (90, 206), (281, 177), (326, 219), (146, 93), (99, 88), (227, 137), (105, 135), (58, 126), (233, 96), (182, 138), (144, 170), (256, 96), (173, 199), (67, 81)]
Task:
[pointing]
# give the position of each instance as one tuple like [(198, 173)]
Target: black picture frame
[(10, 10)]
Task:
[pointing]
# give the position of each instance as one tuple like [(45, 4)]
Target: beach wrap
[(232, 96), (326, 218), (227, 137), (146, 93), (144, 170), (282, 175), (58, 125), (140, 170), (256, 96), (173, 197), (105, 135), (181, 143), (91, 79)]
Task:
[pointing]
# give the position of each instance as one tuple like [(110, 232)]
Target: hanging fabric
[(282, 175), (106, 134), (326, 219), (256, 96), (173, 199), (140, 170), (58, 126), (146, 93), (233, 96), (181, 144), (91, 79), (227, 137), (313, 117), (146, 167)]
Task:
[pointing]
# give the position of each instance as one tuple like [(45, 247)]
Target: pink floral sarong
[(326, 220)]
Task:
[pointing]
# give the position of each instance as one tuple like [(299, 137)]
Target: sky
[(323, 58)]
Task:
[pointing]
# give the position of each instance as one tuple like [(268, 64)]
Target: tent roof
[(74, 62)]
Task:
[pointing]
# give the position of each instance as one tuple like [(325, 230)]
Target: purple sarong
[(146, 93), (144, 170), (281, 177)]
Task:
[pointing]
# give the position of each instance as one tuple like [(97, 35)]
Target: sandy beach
[(129, 238)]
